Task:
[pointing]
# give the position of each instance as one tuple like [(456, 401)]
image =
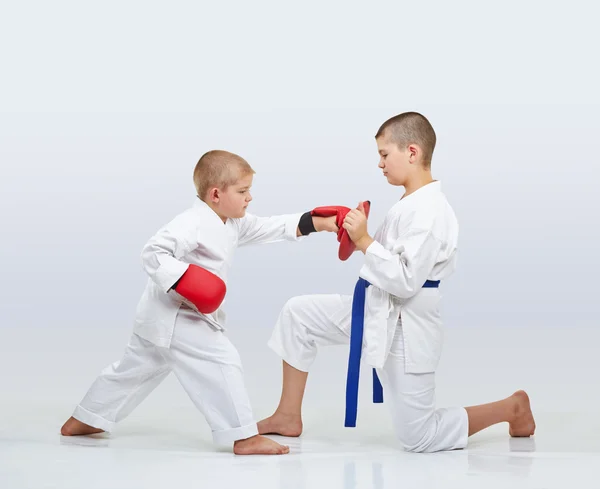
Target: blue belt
[(356, 340)]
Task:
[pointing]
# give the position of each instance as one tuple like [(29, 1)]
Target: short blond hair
[(410, 128), (219, 169)]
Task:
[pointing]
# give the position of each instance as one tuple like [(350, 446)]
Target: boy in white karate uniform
[(412, 252), (179, 321)]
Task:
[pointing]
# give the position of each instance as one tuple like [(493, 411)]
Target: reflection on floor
[(565, 452)]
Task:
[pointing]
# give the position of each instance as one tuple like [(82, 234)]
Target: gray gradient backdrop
[(102, 124)]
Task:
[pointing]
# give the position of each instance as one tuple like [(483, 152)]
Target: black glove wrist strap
[(306, 224)]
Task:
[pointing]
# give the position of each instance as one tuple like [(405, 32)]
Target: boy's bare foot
[(523, 423), (281, 424), (74, 427), (259, 445)]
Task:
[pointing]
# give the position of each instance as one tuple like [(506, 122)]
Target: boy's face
[(233, 202), (395, 162)]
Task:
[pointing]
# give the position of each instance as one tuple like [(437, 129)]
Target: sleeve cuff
[(374, 254), (291, 227), (376, 249), (167, 276)]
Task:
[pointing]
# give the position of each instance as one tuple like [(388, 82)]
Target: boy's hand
[(331, 218), (326, 224), (355, 224)]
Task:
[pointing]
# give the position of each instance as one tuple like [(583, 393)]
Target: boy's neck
[(212, 207), (419, 180)]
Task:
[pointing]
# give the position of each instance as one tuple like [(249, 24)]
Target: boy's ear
[(214, 194), (414, 152)]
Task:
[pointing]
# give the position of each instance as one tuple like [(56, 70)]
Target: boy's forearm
[(363, 243), (161, 264), (319, 223)]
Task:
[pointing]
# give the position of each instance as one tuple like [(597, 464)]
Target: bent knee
[(293, 313), (296, 304)]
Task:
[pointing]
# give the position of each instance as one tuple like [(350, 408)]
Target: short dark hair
[(407, 128)]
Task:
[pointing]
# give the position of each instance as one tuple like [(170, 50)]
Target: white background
[(106, 107)]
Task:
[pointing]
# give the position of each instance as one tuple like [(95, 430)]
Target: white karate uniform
[(403, 334), (170, 334)]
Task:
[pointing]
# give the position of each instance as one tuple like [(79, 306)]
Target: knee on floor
[(415, 441)]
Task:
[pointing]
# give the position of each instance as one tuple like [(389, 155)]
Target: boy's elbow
[(404, 288), (150, 257), (403, 293), (146, 254)]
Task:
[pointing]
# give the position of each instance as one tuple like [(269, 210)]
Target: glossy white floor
[(165, 441), (146, 452)]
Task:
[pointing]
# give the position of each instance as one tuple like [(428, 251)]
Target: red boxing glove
[(202, 288), (332, 210), (347, 246)]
